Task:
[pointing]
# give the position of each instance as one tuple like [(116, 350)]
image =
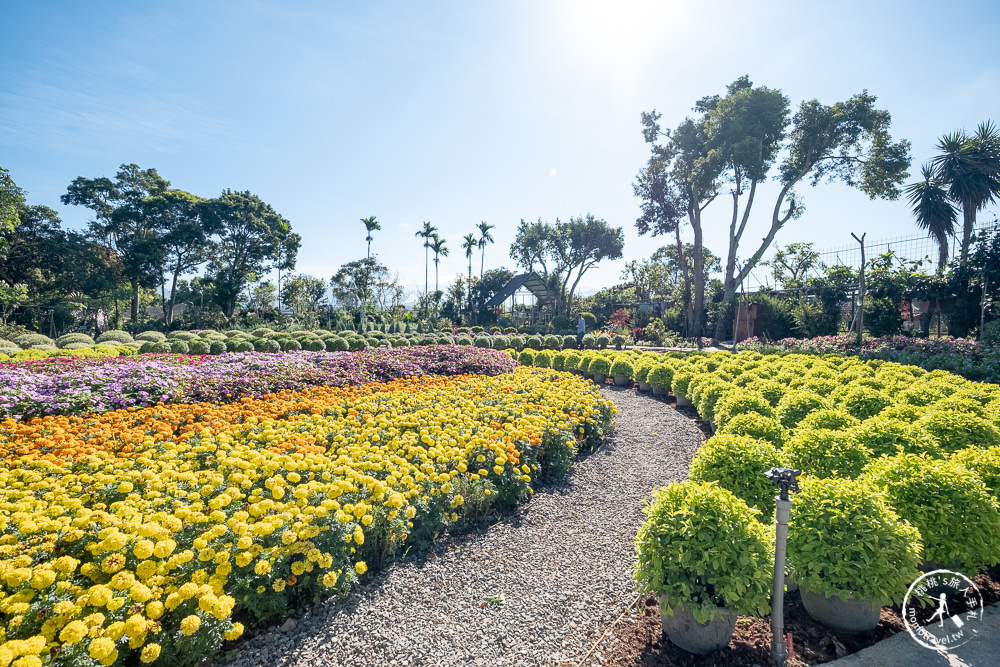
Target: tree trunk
[(135, 301), (969, 221), (173, 300), (698, 269), (682, 262)]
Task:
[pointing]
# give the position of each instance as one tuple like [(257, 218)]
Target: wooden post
[(861, 288)]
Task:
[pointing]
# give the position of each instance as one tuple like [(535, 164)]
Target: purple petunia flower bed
[(70, 386)]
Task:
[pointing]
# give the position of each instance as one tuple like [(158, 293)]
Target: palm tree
[(371, 225), (485, 238), (426, 233), (440, 250), (469, 245), (933, 210), (970, 167)]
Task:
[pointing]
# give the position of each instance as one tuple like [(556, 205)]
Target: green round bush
[(146, 347), (552, 342), (600, 366), (526, 357), (241, 345), (267, 345), (558, 361), (208, 333), (603, 340), (30, 339), (500, 342), (69, 338), (178, 346), (198, 346), (543, 359), (758, 427), (315, 345), (571, 361), (339, 345), (903, 412), (660, 376), (706, 394), (797, 405), (262, 332), (950, 506), (889, 437), (985, 463), (290, 345), (217, 347), (481, 341), (181, 335), (535, 342), (622, 366), (823, 453), (737, 403), (738, 464), (115, 336), (163, 347), (957, 430), (569, 342), (702, 547), (833, 420), (771, 391), (681, 378), (845, 539), (233, 332), (923, 393), (863, 402), (589, 342), (385, 342), (151, 336), (642, 368), (445, 340)]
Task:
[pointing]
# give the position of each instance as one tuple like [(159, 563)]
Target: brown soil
[(638, 640)]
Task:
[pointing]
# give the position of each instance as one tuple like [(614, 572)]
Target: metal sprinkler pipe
[(784, 479)]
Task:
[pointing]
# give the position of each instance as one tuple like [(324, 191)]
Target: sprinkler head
[(784, 479)]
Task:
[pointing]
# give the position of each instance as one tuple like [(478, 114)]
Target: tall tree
[(969, 165), (531, 246), (253, 239), (485, 238), (440, 250), (11, 200), (790, 266), (933, 210), (122, 222), (371, 225), (426, 233), (469, 246), (304, 293)]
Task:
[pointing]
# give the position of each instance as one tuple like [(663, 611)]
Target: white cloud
[(552, 172)]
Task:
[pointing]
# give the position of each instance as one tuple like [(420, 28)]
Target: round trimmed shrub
[(217, 347), (681, 379), (445, 340), (623, 366), (178, 346), (985, 463), (552, 342), (526, 358), (797, 405), (30, 339), (77, 346), (207, 333), (758, 427), (772, 391), (115, 336), (146, 347), (233, 332), (948, 504), (845, 539), (589, 342), (569, 343), (500, 342), (543, 359), (957, 430), (600, 365), (924, 393), (823, 453), (181, 335), (315, 345), (660, 376), (290, 345), (603, 341), (240, 345), (69, 338), (903, 412), (702, 547), (151, 336), (481, 341), (163, 347), (642, 368), (267, 345), (357, 343), (535, 342), (889, 437), (198, 346), (738, 465), (737, 403), (864, 402), (618, 341), (707, 393), (832, 420), (559, 361), (385, 342), (571, 361), (262, 332)]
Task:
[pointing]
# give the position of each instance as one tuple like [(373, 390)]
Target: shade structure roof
[(529, 281)]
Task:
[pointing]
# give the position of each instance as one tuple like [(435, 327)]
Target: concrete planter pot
[(644, 386), (695, 637), (683, 401), (600, 379), (622, 381), (660, 391), (850, 616)]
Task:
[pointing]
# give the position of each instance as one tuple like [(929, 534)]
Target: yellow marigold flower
[(498, 470), (113, 563), (298, 568), (360, 567), (28, 661), (243, 558), (73, 632), (206, 602), (457, 500), (278, 585), (125, 487), (190, 625), (99, 596), (164, 548), (140, 593), (359, 535), (145, 569), (154, 610), (244, 542), (63, 608), (65, 564), (101, 648), (115, 631), (150, 652), (410, 512), (116, 603), (135, 626), (330, 579), (94, 620), (235, 632), (262, 567), (14, 578)]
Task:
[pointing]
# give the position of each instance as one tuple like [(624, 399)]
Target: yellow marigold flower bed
[(113, 553)]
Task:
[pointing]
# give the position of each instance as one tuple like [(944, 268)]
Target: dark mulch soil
[(638, 639)]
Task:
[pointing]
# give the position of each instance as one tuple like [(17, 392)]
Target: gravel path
[(563, 563)]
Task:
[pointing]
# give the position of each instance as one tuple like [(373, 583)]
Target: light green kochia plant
[(955, 431), (642, 368), (950, 506), (797, 405), (738, 402), (600, 365), (706, 394), (622, 366), (571, 361), (831, 420), (558, 361), (660, 376), (845, 539), (738, 465), (985, 463), (758, 427), (680, 380), (526, 357), (702, 547), (863, 402), (543, 359), (824, 453), (883, 436)]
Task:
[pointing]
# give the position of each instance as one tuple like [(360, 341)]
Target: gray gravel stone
[(563, 564)]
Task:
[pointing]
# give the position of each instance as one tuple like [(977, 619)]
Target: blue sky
[(456, 112)]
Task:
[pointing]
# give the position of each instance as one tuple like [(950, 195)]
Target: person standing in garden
[(581, 328)]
